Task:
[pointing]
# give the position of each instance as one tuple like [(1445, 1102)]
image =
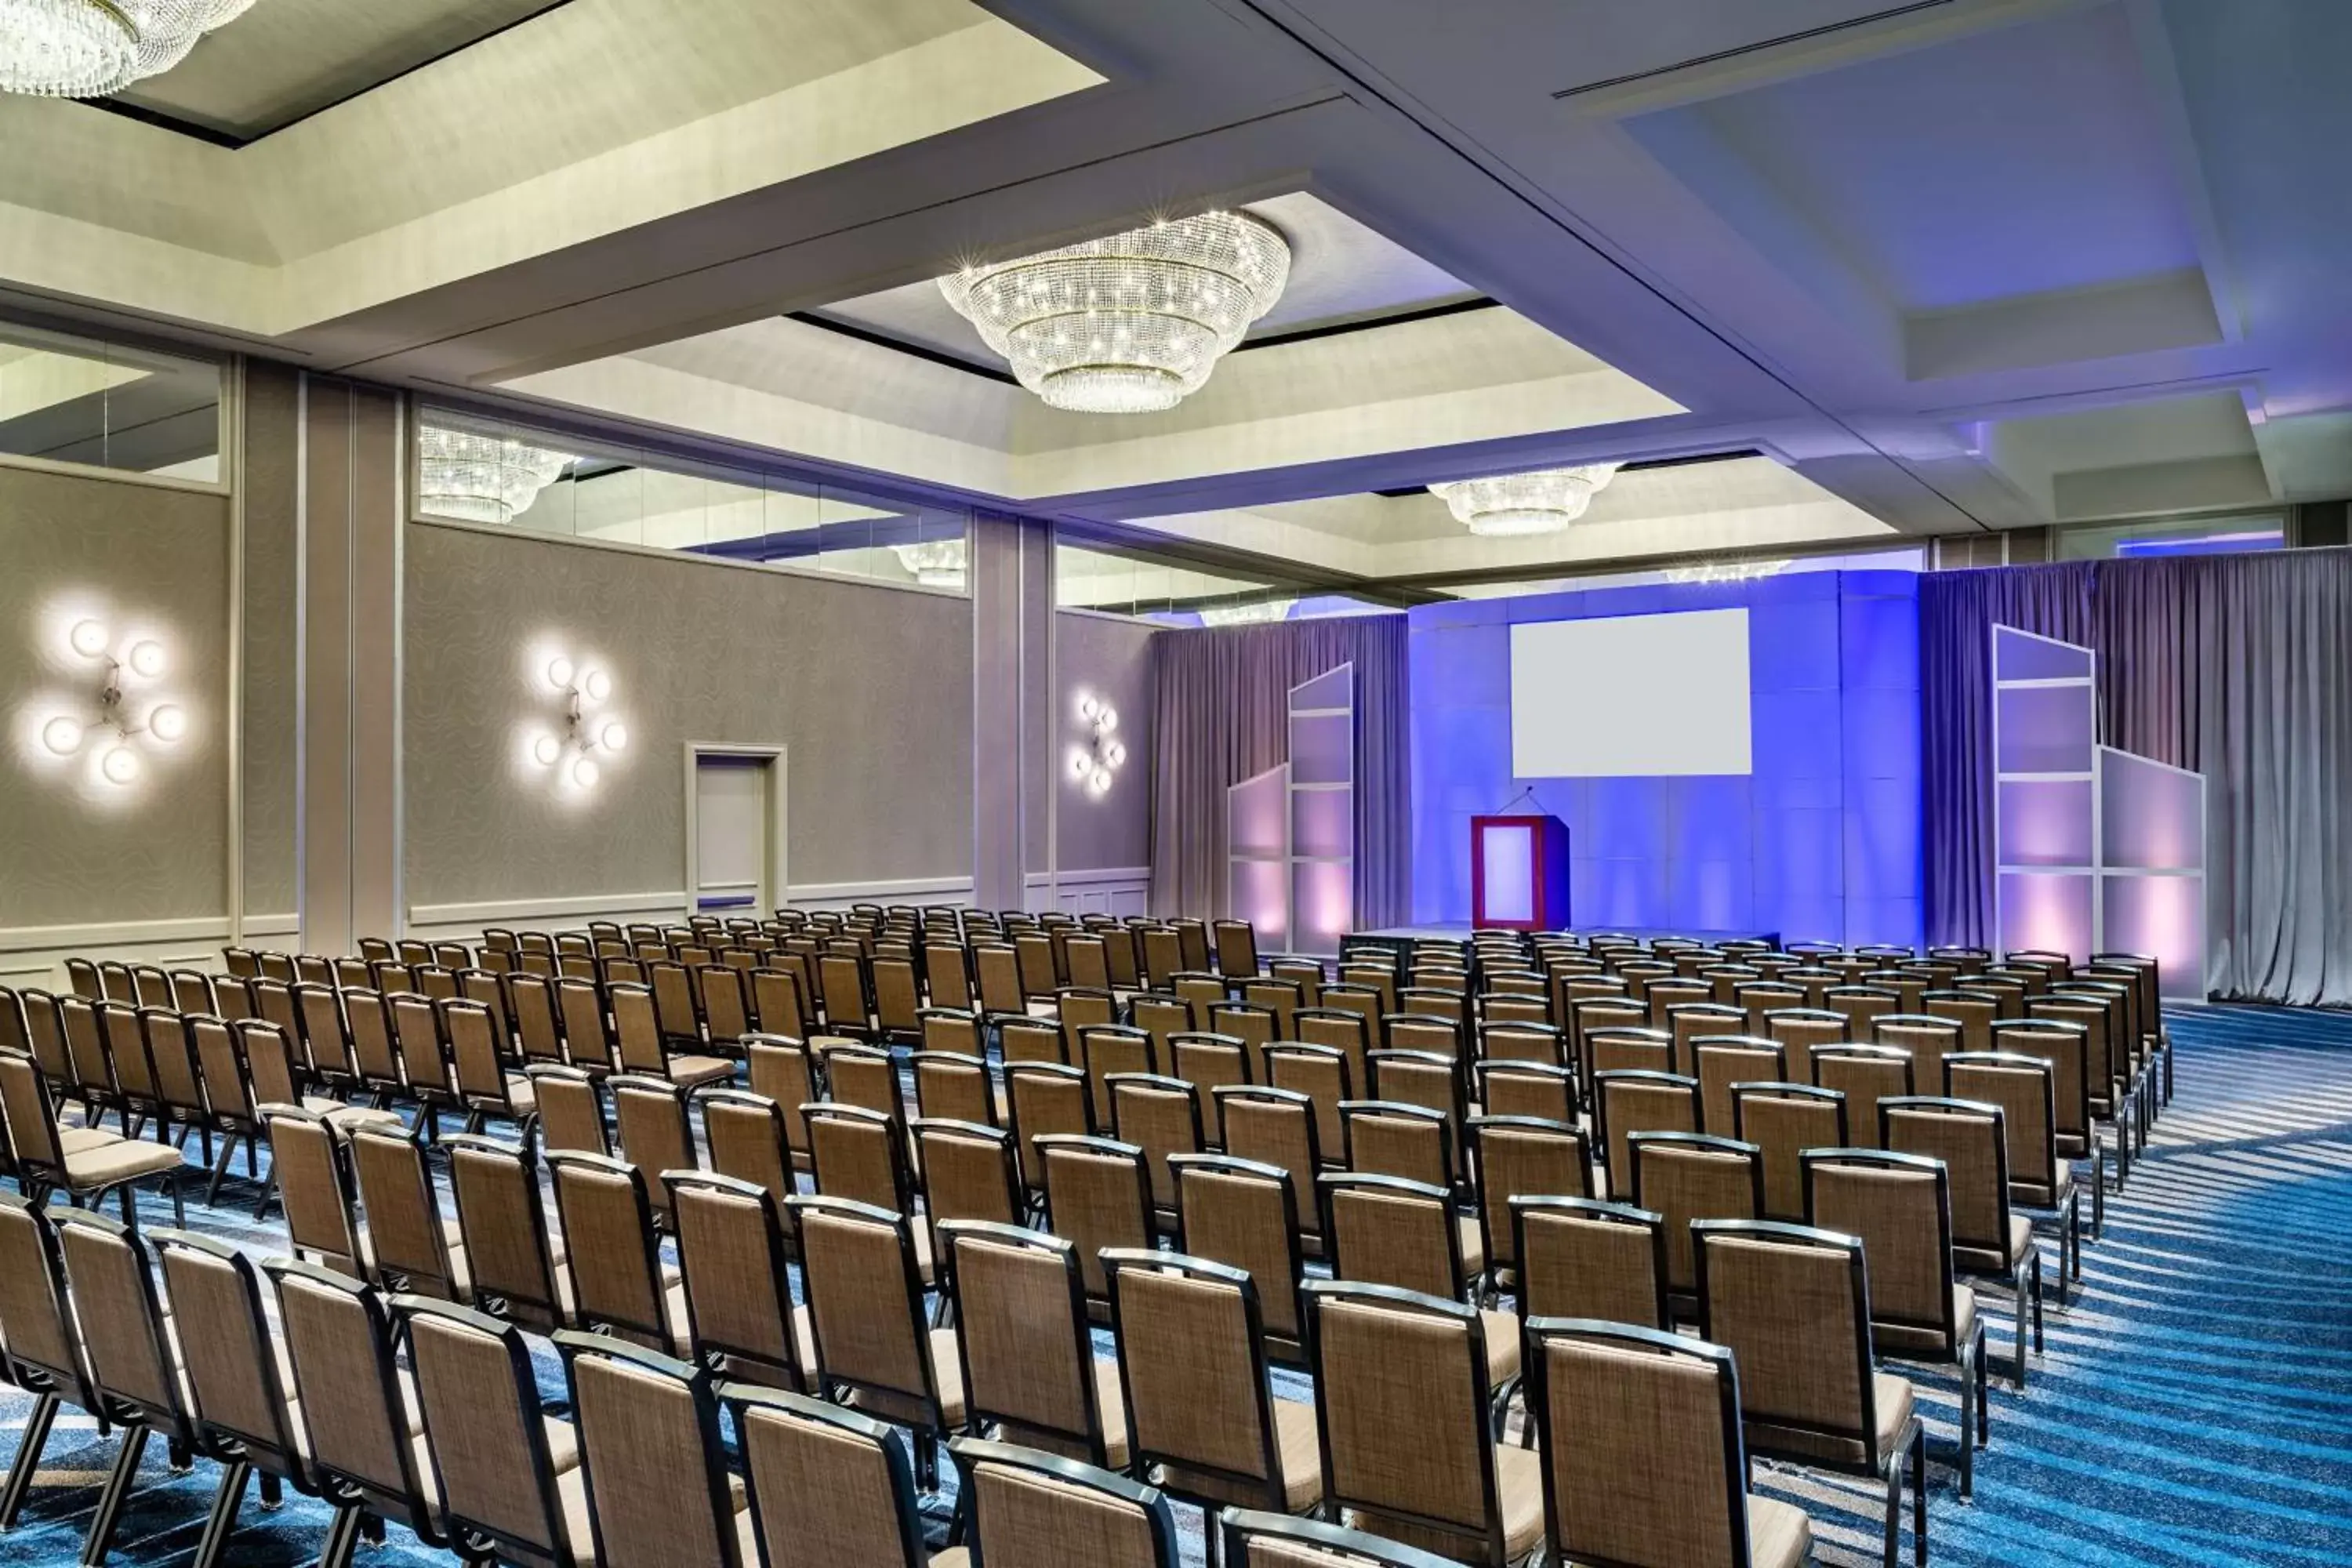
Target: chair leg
[(28, 1460), (179, 1200), (108, 1517), (2037, 1310), (130, 1205), (1968, 1421), (223, 1522), (1984, 1395), (343, 1538), (273, 1493), (220, 1170), (1919, 1498), (2017, 1300), (269, 1196), (1894, 1509)]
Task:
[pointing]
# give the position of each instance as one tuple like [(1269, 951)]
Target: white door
[(731, 816)]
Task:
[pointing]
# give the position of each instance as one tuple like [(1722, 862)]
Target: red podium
[(1518, 873)]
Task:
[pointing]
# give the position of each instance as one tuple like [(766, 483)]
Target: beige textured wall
[(1111, 659), (150, 561), (870, 688), (271, 674)]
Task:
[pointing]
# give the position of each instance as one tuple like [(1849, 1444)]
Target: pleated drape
[(2238, 667), (1221, 716)]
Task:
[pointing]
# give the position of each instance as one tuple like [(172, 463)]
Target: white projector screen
[(1630, 696)]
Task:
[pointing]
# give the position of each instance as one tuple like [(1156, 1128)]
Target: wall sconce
[(112, 729), (1102, 754), (578, 752)]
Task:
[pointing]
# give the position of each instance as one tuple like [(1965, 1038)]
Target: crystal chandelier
[(936, 562), (1506, 505), (475, 478), (89, 48), (1250, 614), (1130, 324)]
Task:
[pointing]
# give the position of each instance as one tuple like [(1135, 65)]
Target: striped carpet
[(2194, 1407)]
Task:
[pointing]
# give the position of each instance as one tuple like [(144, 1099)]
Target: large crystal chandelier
[(1132, 323), (1506, 505), (474, 478), (936, 562), (89, 48)]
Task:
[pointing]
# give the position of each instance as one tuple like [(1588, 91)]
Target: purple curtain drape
[(2238, 667), (1221, 716)]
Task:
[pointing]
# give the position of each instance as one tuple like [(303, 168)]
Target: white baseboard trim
[(667, 904), (112, 933)]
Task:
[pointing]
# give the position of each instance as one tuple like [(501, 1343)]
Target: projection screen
[(1630, 696)]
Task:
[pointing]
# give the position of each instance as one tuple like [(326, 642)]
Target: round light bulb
[(559, 673), (599, 685), (146, 659), (88, 639), (121, 765), (62, 736), (583, 774), (1101, 781), (615, 737), (1108, 719), (1088, 706), (1114, 754), (1081, 765), (547, 750), (168, 722)]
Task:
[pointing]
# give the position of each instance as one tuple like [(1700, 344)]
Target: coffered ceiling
[(1939, 267)]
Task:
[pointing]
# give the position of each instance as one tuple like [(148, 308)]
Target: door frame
[(775, 884)]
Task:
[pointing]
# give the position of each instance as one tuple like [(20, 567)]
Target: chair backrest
[(1211, 1061), (110, 1275), (1160, 1116), (1524, 1157), (1901, 1206), (1687, 1177), (652, 1465), (656, 1131), (865, 1077), (1800, 1029), (969, 1172), (1791, 1303), (1693, 1021), (866, 1307), (1027, 1352), (375, 1058), (1782, 1120), (1098, 1195), (1402, 1400), (1251, 1538), (313, 1163), (408, 1249), (1040, 1511), (1968, 1138), (1865, 1075), (338, 1337), (487, 1433), (1624, 1103), (951, 1085), (1383, 1230), (236, 1394), (1045, 1099), (1582, 1258), (570, 1109), (1245, 1213), (2025, 1088), (825, 1485), (1386, 1138), (1929, 1038), (1643, 1453), (859, 1155), (1720, 1061), (1236, 949), (2058, 1030), (610, 1252), (126, 1048), (1192, 1369), (503, 1218)]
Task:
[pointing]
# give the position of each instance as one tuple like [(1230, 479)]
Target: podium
[(1518, 873)]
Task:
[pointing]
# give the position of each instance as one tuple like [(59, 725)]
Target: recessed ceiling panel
[(287, 59)]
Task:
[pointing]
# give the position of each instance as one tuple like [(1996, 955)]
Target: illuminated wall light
[(571, 750), (1096, 760), (113, 736)]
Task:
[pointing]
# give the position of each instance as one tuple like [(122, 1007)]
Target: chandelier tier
[(474, 478), (936, 562), (89, 48), (1504, 505), (1132, 323), (1258, 612)]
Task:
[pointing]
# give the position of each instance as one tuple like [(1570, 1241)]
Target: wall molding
[(113, 934), (1094, 877), (936, 890), (670, 902)]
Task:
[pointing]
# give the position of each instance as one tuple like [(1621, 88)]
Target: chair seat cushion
[(119, 1160), (1299, 1447), (1779, 1535), (693, 1072)]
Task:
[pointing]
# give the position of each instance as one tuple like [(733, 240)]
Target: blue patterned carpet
[(2194, 1407)]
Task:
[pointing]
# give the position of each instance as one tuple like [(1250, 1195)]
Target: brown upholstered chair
[(784, 1072), (969, 1172), (479, 1055), (861, 1154), (1108, 1049), (739, 1308), (1684, 1177), (1246, 1215), (1583, 1258), (1211, 1061), (825, 1485), (1160, 1116), (1403, 1404), (1800, 1029), (1720, 1061), (84, 1163), (1045, 1099), (639, 1045), (1521, 1157), (1252, 1538), (1536, 1090), (1205, 1424), (867, 1329), (1783, 1120), (1385, 1230), (1624, 1103), (1030, 1374), (656, 1132), (1645, 1461), (1865, 1075), (748, 1140), (1098, 1195), (1901, 1207), (1793, 1304), (1989, 1241), (506, 1474), (653, 1470), (571, 1106), (1041, 1510), (407, 1245), (612, 1259), (2039, 1177), (511, 1260), (311, 1161), (950, 1086)]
